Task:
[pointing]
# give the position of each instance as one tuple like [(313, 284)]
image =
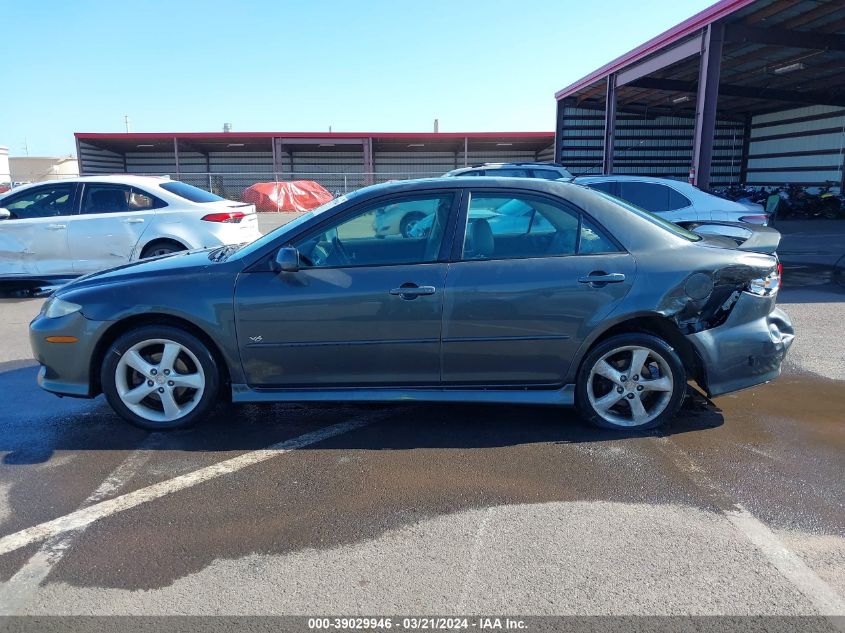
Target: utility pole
[(126, 122), (436, 125)]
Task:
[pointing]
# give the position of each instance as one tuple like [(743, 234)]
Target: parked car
[(680, 202), (547, 171), (75, 226), (401, 219), (607, 307)]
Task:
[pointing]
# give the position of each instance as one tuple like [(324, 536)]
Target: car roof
[(124, 179)]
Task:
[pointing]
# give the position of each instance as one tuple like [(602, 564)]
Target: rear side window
[(594, 240), (189, 192), (547, 174), (41, 202), (508, 173), (677, 200), (501, 226), (607, 187), (647, 195)]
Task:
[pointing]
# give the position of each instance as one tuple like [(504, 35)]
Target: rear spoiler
[(748, 237), (764, 239)]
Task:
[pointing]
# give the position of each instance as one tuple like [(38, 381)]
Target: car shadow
[(34, 424)]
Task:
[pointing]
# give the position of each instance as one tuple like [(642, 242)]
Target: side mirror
[(5, 214), (287, 260)]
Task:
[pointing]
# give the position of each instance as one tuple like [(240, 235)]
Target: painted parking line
[(85, 516), (824, 598), (16, 592)]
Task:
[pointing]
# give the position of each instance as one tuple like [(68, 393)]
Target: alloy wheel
[(630, 385), (159, 380)]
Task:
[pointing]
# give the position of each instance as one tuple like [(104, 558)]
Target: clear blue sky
[(273, 65)]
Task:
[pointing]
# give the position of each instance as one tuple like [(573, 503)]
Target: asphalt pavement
[(736, 508)]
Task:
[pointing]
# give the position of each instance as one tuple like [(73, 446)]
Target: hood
[(175, 264)]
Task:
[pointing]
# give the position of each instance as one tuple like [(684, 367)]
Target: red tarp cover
[(296, 195)]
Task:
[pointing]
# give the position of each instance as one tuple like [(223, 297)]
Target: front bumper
[(66, 367), (747, 349)]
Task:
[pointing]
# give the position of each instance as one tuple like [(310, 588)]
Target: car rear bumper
[(747, 349), (65, 367)]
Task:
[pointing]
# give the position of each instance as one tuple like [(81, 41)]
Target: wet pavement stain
[(430, 460)]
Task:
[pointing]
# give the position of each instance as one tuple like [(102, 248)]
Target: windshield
[(290, 226), (651, 217), (189, 192)]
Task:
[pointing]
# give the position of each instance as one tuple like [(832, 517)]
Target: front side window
[(510, 227), (41, 202), (374, 236)]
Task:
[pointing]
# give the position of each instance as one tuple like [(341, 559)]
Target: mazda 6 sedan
[(587, 302)]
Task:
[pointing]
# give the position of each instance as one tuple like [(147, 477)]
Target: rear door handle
[(599, 278), (412, 291), (133, 220), (56, 227)]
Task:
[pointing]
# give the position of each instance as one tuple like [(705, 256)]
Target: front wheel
[(160, 377), (630, 382)]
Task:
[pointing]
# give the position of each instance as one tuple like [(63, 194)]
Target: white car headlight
[(56, 308)]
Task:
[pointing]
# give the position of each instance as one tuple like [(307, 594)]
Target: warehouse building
[(745, 92), (228, 162)]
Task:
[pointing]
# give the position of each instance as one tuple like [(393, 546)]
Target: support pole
[(707, 102), (609, 125), (176, 156), (368, 161)]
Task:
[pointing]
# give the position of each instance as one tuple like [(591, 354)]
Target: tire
[(605, 373), (161, 247), (147, 398), (408, 221)]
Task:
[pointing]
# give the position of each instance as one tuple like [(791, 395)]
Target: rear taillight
[(768, 285), (755, 219), (229, 217)]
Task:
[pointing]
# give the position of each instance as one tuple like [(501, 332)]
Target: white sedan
[(677, 201), (70, 227)]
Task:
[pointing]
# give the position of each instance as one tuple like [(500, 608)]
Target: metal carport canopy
[(737, 58)]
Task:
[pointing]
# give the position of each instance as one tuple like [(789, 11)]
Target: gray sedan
[(584, 302)]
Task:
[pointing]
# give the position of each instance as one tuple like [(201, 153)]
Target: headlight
[(55, 308)]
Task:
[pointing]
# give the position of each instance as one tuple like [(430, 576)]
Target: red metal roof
[(320, 135), (689, 26)]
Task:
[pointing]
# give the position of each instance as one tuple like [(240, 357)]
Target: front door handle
[(56, 227), (412, 291), (133, 220), (599, 278)]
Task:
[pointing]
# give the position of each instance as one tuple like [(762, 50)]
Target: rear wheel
[(161, 247), (630, 382), (160, 377), (409, 221)]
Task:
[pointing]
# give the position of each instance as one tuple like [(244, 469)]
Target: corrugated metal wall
[(802, 146), (93, 160), (647, 145)]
